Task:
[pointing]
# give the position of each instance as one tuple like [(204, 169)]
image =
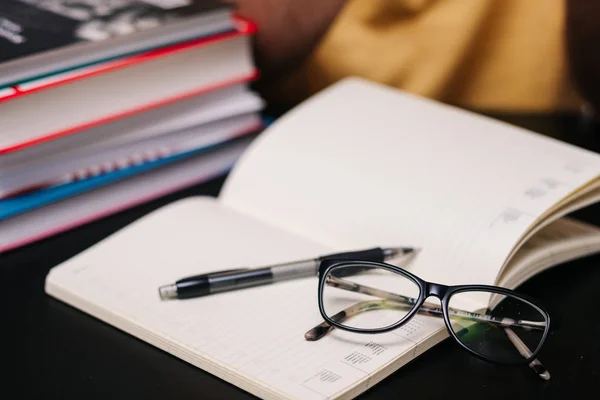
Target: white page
[(253, 338), (362, 164)]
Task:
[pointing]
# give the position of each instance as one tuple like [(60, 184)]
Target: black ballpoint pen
[(222, 281)]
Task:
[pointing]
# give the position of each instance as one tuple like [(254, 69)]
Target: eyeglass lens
[(363, 297), (509, 330)]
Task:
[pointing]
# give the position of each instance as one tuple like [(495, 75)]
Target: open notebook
[(358, 165)]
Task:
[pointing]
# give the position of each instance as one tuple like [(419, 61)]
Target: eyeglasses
[(371, 297)]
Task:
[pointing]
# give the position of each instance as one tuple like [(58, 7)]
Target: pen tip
[(167, 292)]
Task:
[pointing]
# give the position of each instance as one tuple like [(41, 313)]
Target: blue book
[(18, 205)]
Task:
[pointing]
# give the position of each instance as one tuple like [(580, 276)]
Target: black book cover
[(28, 27)]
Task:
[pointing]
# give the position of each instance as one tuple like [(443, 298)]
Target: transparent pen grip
[(295, 270)]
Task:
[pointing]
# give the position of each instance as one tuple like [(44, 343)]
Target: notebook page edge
[(582, 200), (563, 240)]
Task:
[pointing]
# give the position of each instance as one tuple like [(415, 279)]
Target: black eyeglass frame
[(427, 289)]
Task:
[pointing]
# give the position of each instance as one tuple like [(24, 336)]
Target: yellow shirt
[(506, 55)]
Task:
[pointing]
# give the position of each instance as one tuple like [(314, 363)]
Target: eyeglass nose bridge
[(436, 290)]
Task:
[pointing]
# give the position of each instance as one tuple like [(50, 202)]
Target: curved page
[(362, 164)]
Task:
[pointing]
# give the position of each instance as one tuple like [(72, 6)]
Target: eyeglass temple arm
[(324, 327), (429, 309), (321, 330), (536, 365)]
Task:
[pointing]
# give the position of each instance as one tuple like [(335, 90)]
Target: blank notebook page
[(362, 163), (253, 338)]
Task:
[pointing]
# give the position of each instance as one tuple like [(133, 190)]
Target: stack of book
[(107, 104)]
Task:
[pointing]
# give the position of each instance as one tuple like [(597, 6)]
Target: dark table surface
[(50, 350)]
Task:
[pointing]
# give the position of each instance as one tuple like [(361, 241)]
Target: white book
[(123, 88), (161, 132), (359, 165)]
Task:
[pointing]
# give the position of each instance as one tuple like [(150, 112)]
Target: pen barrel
[(240, 280), (201, 285), (294, 270)]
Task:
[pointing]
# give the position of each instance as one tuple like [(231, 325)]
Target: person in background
[(490, 55)]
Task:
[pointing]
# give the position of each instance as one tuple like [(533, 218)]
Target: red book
[(50, 108)]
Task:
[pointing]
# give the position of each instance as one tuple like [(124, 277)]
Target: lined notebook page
[(363, 164), (253, 338)]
